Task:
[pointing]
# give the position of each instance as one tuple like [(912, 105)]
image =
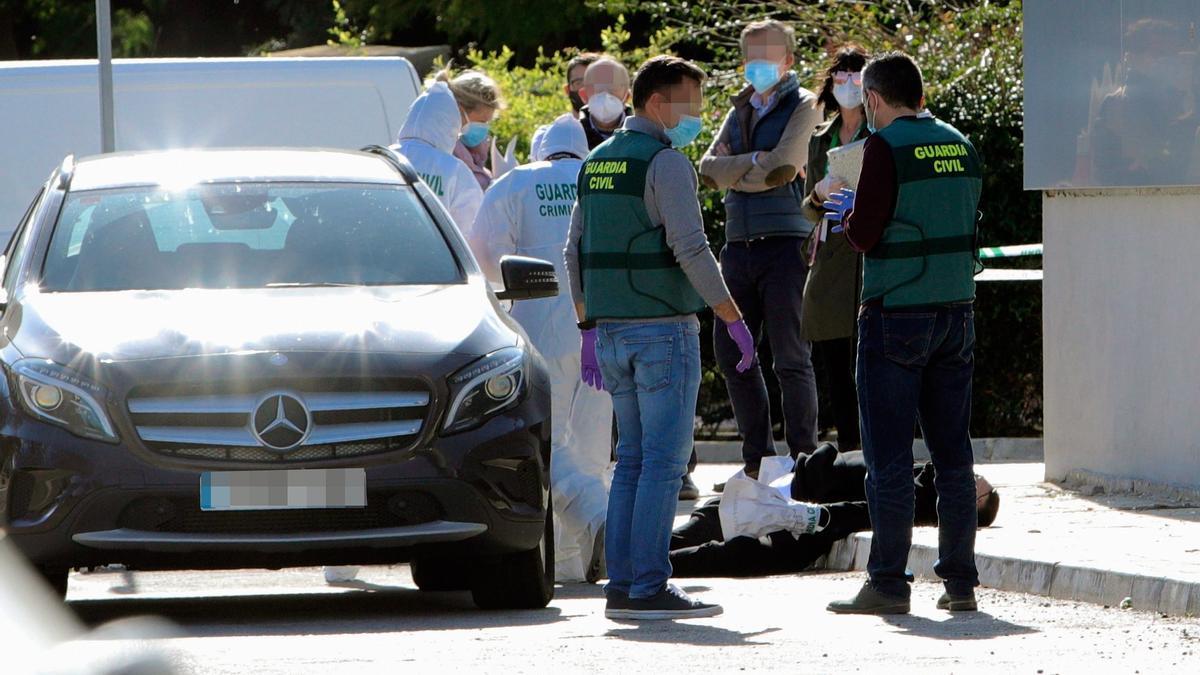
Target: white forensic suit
[(427, 141), (528, 213)]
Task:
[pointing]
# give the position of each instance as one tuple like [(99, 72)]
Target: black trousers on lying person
[(698, 548)]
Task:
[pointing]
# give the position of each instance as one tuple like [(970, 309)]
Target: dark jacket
[(830, 302), (595, 136)]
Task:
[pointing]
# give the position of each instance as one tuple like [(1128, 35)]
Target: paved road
[(291, 622)]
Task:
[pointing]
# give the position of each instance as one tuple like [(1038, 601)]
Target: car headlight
[(484, 388), (53, 393)]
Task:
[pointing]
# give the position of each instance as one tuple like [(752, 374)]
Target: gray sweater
[(671, 188)]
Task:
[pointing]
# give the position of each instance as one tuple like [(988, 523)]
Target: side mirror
[(527, 278)]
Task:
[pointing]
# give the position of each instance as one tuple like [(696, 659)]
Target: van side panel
[(49, 109)]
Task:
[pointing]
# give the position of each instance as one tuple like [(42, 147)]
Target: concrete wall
[(1122, 334)]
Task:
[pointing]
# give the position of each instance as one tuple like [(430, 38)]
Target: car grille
[(229, 425)]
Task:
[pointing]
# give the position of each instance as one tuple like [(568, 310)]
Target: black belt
[(768, 239)]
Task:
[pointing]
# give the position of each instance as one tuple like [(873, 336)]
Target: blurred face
[(575, 83), (768, 45), (605, 76), (483, 114), (667, 107)]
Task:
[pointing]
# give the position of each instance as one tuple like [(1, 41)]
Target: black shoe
[(958, 603), (688, 490), (669, 603), (615, 603), (595, 569), (870, 601)]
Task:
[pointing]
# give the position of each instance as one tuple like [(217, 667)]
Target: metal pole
[(104, 52)]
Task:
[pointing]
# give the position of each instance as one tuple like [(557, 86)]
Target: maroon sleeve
[(875, 201)]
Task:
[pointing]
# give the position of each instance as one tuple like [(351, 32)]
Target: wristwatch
[(586, 325)]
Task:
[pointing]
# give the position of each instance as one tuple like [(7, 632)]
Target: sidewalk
[(1050, 541)]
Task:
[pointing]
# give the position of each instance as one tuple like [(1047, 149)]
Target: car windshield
[(246, 235)]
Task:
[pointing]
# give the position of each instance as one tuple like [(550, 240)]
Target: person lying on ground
[(699, 549)]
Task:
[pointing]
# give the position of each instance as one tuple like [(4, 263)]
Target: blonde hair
[(785, 31), (472, 89)]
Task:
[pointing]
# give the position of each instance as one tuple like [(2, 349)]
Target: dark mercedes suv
[(269, 358)]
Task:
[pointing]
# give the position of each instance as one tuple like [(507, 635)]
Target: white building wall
[(1122, 334)]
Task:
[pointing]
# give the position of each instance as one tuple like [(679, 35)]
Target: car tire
[(56, 578), (522, 580), (439, 574)]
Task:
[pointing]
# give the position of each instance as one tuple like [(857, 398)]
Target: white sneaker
[(340, 574)]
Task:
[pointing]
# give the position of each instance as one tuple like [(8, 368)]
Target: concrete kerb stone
[(985, 449), (1091, 482), (1039, 577)]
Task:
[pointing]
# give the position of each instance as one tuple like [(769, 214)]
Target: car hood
[(139, 325)]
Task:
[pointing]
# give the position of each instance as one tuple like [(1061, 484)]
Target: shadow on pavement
[(681, 632), (375, 609), (964, 626)]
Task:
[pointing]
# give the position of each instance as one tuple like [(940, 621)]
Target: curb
[(1172, 597), (986, 450)]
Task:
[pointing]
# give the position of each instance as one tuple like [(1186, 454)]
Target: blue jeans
[(915, 365), (652, 371), (766, 279)]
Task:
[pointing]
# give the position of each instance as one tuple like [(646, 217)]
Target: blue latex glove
[(590, 364), (837, 206)]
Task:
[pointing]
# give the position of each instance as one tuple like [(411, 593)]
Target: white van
[(49, 109)]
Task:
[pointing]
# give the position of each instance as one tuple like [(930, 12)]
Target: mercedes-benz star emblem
[(281, 422)]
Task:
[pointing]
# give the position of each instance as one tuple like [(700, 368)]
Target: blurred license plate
[(283, 489)]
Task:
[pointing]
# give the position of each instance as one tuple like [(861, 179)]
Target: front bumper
[(438, 531), (69, 502)]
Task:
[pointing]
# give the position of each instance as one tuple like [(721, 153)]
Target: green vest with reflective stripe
[(628, 271), (926, 255)]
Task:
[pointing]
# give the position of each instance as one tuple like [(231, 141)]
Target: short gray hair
[(785, 30)]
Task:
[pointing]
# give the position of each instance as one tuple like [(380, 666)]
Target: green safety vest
[(927, 253), (628, 271)]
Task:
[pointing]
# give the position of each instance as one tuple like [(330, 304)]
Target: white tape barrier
[(1009, 275), (1018, 251)]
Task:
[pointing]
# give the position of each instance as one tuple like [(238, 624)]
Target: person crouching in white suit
[(528, 212)]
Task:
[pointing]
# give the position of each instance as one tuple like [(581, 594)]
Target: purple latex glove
[(587, 357), (740, 332)]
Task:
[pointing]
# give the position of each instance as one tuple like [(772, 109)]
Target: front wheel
[(522, 580)]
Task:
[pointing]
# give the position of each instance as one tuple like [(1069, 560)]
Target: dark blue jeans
[(915, 365), (766, 278)]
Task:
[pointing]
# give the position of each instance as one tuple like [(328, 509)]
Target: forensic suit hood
[(427, 140), (434, 118), (564, 135)]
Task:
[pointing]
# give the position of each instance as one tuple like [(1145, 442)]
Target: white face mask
[(605, 108), (848, 94)]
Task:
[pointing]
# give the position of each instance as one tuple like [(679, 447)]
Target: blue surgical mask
[(762, 75), (682, 134), (475, 133)]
